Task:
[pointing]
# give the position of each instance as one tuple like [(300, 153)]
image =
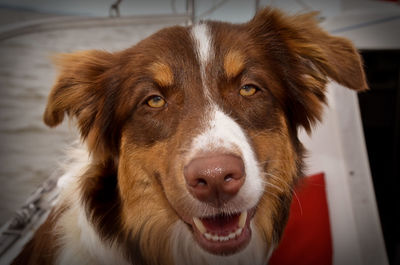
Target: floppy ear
[(333, 56), (85, 90), (313, 56)]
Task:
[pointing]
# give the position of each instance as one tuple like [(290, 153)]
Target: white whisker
[(289, 186)]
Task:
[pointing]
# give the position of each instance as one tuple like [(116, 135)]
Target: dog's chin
[(223, 234)]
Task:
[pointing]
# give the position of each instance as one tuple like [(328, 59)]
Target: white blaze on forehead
[(203, 45), (223, 133), (202, 38)]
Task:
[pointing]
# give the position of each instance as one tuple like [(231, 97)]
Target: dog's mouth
[(223, 234)]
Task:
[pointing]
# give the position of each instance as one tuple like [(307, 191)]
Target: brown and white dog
[(192, 141)]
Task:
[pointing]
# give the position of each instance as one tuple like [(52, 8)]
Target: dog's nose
[(215, 178)]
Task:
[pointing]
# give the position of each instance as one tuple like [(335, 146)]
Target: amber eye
[(156, 102), (248, 90)]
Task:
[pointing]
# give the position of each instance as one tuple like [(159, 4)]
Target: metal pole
[(257, 5), (115, 7), (190, 10)]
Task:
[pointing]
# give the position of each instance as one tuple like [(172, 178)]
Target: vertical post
[(190, 11), (257, 6)]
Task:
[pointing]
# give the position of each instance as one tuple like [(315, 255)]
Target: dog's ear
[(313, 55), (85, 90)]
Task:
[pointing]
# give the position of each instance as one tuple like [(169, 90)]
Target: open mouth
[(223, 234)]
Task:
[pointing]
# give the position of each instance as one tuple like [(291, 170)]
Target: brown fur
[(162, 74), (134, 190), (233, 64)]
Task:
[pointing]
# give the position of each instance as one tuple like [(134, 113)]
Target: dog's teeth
[(239, 231), (216, 238), (199, 225), (223, 238), (242, 219)]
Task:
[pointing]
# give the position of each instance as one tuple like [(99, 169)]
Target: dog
[(191, 137)]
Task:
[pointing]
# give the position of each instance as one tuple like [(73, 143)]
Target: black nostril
[(228, 177), (201, 182)]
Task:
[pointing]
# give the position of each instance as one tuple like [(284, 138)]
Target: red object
[(307, 238)]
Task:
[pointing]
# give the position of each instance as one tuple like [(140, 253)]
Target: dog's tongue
[(221, 224)]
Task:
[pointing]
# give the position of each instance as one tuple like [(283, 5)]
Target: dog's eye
[(248, 90), (156, 102)]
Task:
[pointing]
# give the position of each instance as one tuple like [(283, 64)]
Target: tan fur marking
[(162, 73), (233, 63), (146, 212)]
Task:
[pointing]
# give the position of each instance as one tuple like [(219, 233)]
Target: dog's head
[(193, 131)]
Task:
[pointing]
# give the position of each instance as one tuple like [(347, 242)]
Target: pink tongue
[(221, 224)]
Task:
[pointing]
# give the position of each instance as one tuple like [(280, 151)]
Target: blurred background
[(31, 31)]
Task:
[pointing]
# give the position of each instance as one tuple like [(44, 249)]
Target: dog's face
[(193, 131)]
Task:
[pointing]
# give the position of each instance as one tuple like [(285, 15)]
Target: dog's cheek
[(275, 150), (276, 153), (172, 180), (153, 172), (146, 212), (139, 170), (279, 176)]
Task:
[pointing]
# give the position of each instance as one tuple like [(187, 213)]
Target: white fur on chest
[(79, 242)]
